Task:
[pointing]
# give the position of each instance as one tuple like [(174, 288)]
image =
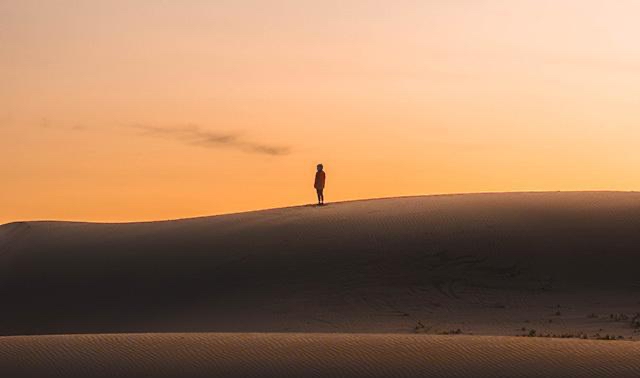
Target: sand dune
[(303, 355), (489, 264), (355, 288)]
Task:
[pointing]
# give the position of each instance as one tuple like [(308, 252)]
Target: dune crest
[(493, 264)]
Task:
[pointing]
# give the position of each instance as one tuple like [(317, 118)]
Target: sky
[(148, 110)]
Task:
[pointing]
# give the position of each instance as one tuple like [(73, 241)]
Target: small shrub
[(597, 336), (452, 332), (635, 322), (618, 317)]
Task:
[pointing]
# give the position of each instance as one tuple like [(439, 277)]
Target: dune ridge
[(431, 286), (488, 264)]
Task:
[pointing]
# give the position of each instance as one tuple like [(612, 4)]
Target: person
[(319, 184)]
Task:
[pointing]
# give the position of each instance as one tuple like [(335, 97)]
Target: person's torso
[(320, 179)]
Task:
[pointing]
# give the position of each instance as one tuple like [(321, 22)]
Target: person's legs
[(319, 192), (321, 196)]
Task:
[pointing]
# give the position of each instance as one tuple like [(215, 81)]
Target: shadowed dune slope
[(496, 264), (307, 355)]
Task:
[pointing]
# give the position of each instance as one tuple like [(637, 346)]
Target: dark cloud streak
[(197, 136)]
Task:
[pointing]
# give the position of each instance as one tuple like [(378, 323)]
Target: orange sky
[(140, 110)]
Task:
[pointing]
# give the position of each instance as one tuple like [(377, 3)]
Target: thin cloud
[(197, 136), (47, 123)]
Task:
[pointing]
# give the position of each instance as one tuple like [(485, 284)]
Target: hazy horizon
[(117, 111)]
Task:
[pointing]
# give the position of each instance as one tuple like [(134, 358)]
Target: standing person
[(319, 184)]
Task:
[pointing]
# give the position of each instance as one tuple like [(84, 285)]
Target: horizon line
[(312, 204)]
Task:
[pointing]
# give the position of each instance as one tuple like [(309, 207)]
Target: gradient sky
[(141, 110)]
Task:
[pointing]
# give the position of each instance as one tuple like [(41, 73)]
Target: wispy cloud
[(47, 123), (197, 136)]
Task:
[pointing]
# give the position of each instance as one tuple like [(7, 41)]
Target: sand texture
[(534, 264), (320, 355)]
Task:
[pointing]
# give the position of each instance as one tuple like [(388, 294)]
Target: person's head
[(320, 167)]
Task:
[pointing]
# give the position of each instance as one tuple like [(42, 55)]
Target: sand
[(557, 264), (321, 355)]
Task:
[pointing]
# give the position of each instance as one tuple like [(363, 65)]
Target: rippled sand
[(276, 355), (541, 264)]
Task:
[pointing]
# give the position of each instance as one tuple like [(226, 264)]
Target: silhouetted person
[(319, 184)]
